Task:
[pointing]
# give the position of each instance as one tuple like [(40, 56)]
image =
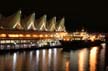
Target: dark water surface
[(86, 59)]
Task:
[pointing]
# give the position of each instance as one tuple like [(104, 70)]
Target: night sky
[(92, 15)]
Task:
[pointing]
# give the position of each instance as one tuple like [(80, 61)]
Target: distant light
[(40, 35), (67, 65), (21, 35), (93, 50), (14, 61), (13, 35), (93, 58), (92, 38), (34, 35), (51, 35), (37, 54), (28, 35), (46, 35)]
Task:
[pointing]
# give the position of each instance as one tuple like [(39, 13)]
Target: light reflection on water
[(86, 59), (83, 60), (93, 58), (14, 61)]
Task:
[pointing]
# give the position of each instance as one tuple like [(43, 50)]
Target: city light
[(21, 35), (93, 57), (27, 35), (40, 35), (13, 35), (35, 35), (92, 38), (46, 35)]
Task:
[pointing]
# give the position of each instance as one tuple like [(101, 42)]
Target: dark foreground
[(78, 44)]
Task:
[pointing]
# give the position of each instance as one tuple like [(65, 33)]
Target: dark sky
[(91, 14)]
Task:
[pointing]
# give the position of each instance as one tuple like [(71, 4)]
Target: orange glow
[(13, 35), (63, 33), (21, 35), (51, 35), (82, 59), (67, 65), (93, 57), (64, 39), (67, 39), (27, 35), (40, 35), (93, 51), (92, 38), (46, 35), (35, 35), (2, 35), (81, 34)]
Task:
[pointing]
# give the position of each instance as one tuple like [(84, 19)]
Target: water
[(86, 59)]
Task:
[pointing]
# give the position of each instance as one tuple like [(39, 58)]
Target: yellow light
[(10, 35), (93, 50), (82, 57), (40, 35), (16, 35), (28, 35), (67, 39), (92, 38), (13, 35), (81, 34), (51, 35), (34, 35), (46, 35), (93, 57), (21, 35), (64, 39)]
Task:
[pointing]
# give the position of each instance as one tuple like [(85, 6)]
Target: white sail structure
[(28, 23), (13, 22), (41, 25), (16, 21), (60, 25), (51, 26)]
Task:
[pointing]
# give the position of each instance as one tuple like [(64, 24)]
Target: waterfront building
[(16, 22)]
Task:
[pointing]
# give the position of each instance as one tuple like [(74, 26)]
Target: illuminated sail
[(60, 25), (51, 24), (28, 23), (41, 25), (13, 22)]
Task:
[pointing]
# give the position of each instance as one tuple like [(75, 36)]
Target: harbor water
[(56, 59)]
